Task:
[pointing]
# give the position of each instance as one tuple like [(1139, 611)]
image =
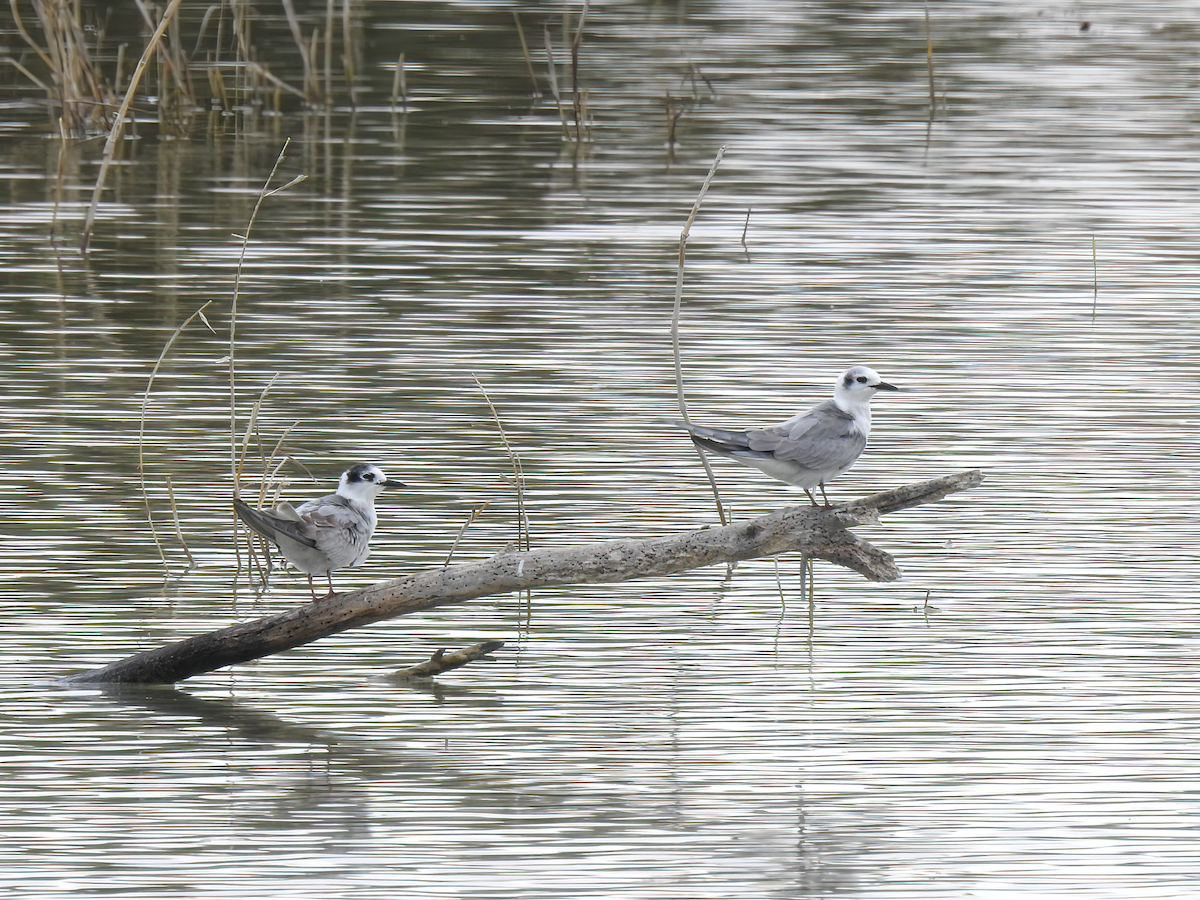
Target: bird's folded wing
[(273, 527), (335, 523), (720, 435), (812, 442)]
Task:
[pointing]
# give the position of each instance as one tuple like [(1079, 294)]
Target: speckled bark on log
[(820, 533)]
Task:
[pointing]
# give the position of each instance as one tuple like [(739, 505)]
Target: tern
[(331, 532), (810, 448)]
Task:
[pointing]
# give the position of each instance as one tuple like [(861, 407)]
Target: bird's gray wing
[(274, 527), (822, 438), (731, 439), (339, 530)]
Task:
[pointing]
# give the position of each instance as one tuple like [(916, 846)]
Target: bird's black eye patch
[(369, 476)]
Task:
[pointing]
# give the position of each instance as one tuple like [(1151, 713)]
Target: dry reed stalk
[(114, 133), (327, 74), (518, 471), (263, 194), (579, 102), (679, 394), (175, 90), (475, 513), (252, 432), (324, 98), (311, 91), (77, 85), (63, 149), (674, 113), (525, 50), (399, 85), (929, 60), (216, 84), (279, 84), (349, 62), (178, 529), (142, 431), (237, 282), (553, 79)]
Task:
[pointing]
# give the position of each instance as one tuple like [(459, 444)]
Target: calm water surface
[(1018, 715)]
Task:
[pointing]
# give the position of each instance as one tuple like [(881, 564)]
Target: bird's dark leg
[(312, 590), (825, 497), (811, 498)]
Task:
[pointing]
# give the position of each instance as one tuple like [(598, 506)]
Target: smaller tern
[(331, 532), (810, 448)]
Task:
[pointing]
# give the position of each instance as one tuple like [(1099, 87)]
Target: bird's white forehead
[(856, 372)]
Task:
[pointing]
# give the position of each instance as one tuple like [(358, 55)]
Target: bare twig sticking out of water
[(929, 60), (674, 113), (683, 237), (118, 126), (523, 541), (579, 98), (349, 69), (142, 438), (553, 79)]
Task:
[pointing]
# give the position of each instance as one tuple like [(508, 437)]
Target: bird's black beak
[(391, 482), (884, 386)]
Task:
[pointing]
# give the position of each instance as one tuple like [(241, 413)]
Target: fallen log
[(812, 531)]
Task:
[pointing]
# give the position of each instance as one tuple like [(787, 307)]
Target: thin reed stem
[(118, 126), (178, 528), (142, 430), (683, 237), (525, 50), (929, 60), (518, 472), (463, 530)]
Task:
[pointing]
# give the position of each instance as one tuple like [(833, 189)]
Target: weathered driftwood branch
[(820, 533), (445, 660)]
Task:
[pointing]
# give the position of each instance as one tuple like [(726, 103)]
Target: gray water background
[(1017, 716)]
